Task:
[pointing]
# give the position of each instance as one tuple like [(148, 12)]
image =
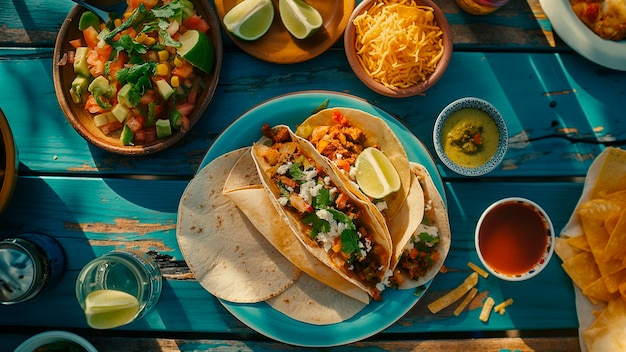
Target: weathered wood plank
[(521, 344), (560, 110)]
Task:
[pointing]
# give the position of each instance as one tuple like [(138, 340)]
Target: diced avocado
[(88, 19), (164, 88), (176, 118), (163, 128), (99, 84), (80, 61), (79, 88), (120, 112), (103, 119), (123, 96), (127, 135)]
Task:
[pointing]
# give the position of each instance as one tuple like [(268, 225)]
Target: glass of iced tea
[(514, 239), (117, 288)]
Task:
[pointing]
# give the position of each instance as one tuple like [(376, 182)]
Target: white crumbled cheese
[(382, 205), (327, 180), (336, 228), (333, 191), (310, 174), (429, 205), (431, 230), (284, 168), (308, 190), (339, 156), (385, 281), (283, 201), (352, 173)]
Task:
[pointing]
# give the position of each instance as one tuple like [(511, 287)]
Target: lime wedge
[(375, 174), (250, 19), (300, 18), (107, 309), (198, 49)]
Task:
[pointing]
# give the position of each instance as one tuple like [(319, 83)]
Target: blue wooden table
[(561, 110)]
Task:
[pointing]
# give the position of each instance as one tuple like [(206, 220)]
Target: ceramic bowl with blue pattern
[(470, 136)]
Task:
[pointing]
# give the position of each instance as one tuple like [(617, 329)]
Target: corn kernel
[(128, 14), (162, 70), (178, 62), (117, 22), (149, 41), (164, 55), (175, 82), (141, 38)]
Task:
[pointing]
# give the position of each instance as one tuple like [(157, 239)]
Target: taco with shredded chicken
[(337, 227)]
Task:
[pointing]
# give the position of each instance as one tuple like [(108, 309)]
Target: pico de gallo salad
[(131, 73)]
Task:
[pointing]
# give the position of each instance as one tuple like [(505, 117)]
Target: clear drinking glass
[(132, 272)]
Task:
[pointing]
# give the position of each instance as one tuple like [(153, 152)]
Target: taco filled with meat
[(337, 227), (420, 255), (341, 134)]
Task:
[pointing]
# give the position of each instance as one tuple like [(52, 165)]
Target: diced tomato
[(111, 126), (91, 37), (185, 108), (339, 118), (148, 97), (140, 136), (150, 134), (76, 43), (133, 4), (115, 66), (184, 71), (196, 22), (184, 124), (592, 11), (134, 123), (343, 164), (96, 62), (92, 106)]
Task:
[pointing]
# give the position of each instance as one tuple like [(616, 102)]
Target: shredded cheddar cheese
[(398, 43)]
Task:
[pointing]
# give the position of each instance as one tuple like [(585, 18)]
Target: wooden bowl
[(375, 85), (82, 121), (8, 163)]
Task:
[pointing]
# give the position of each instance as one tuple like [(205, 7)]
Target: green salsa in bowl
[(470, 136)]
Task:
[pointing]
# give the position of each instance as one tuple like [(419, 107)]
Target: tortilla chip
[(608, 332), (593, 213), (223, 249), (616, 244), (582, 269), (564, 250), (612, 175), (310, 301), (598, 291), (614, 280), (579, 242)]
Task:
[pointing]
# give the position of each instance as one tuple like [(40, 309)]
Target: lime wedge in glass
[(107, 309), (300, 18), (250, 19)]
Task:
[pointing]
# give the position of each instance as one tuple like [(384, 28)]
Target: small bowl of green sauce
[(470, 136)]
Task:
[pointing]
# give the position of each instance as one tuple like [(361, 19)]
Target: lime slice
[(250, 19), (197, 49), (375, 174), (300, 18), (107, 309)]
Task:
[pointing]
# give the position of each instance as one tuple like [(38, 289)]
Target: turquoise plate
[(290, 110)]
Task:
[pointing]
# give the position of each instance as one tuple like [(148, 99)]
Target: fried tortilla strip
[(486, 311), (612, 175), (616, 245), (592, 214), (579, 242), (454, 295), (608, 332), (468, 298)]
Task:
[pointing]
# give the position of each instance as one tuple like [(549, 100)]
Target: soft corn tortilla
[(223, 249), (379, 230), (245, 190), (434, 213), (378, 134)]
